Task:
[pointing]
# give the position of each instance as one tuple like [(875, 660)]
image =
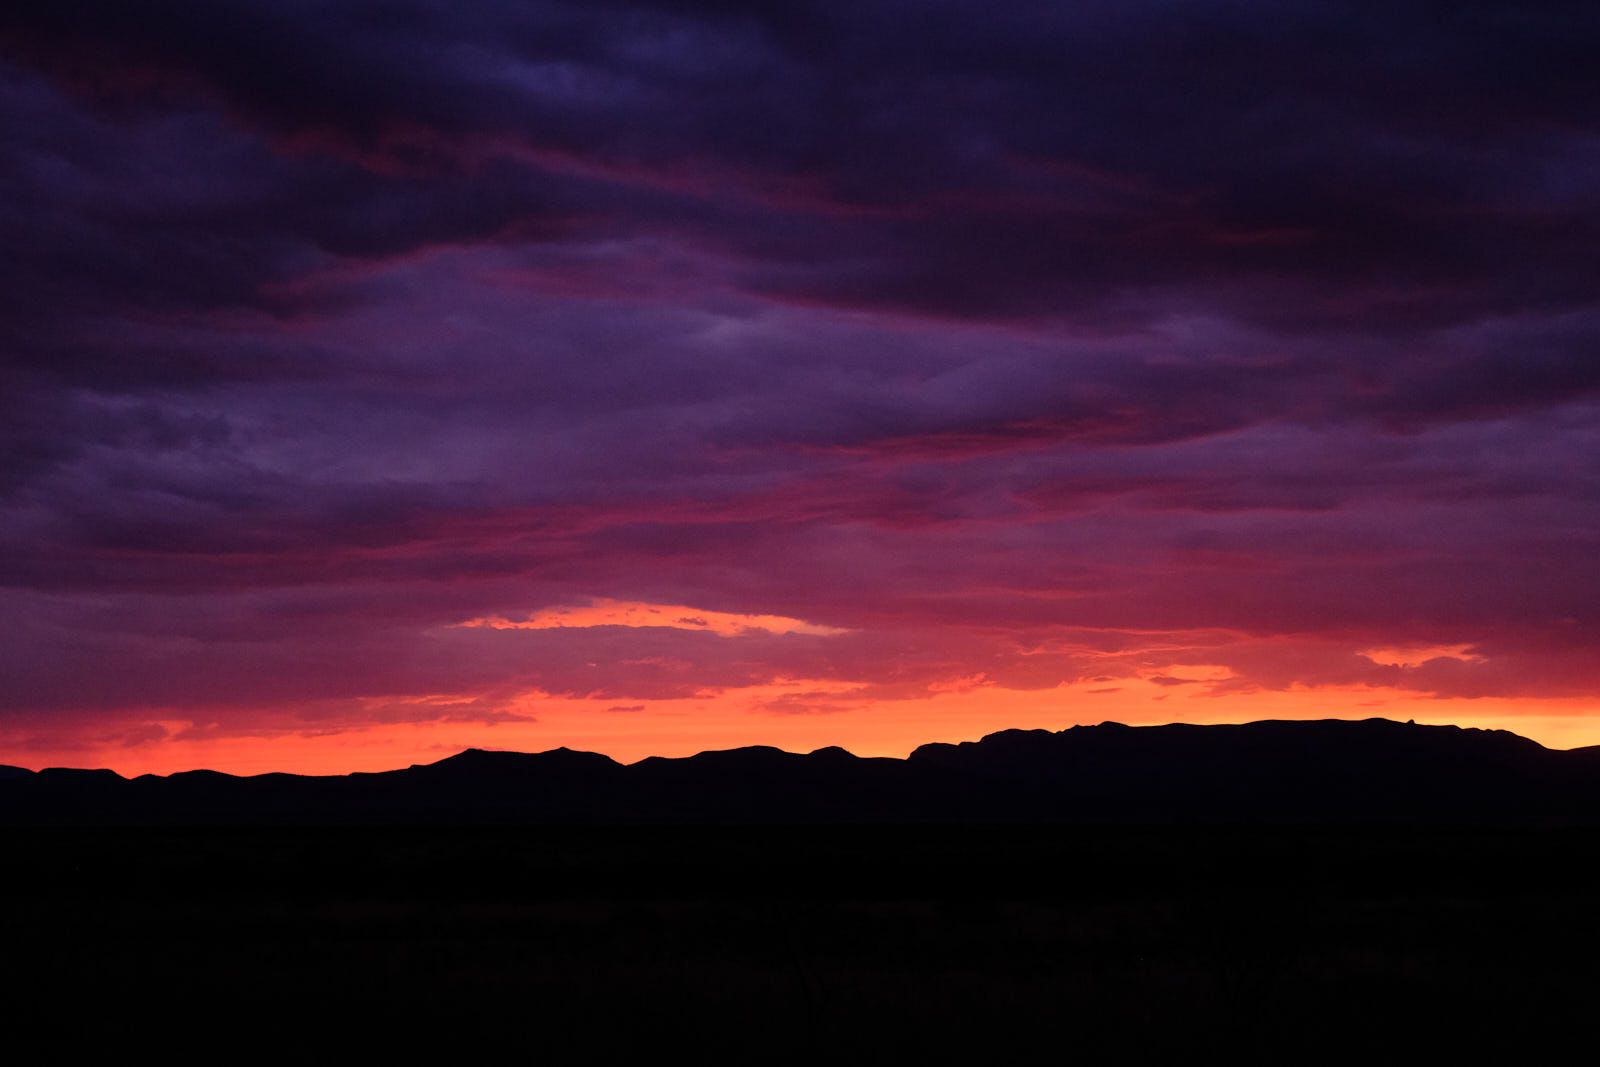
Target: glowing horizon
[(683, 727)]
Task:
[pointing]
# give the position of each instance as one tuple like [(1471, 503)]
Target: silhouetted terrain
[(1278, 892), (1260, 771)]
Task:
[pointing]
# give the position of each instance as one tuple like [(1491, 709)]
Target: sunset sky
[(385, 379)]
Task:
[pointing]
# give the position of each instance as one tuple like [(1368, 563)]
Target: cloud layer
[(1019, 349)]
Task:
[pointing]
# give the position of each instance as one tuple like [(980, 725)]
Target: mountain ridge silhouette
[(1270, 769)]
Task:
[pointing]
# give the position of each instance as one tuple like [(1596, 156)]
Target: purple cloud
[(1017, 343)]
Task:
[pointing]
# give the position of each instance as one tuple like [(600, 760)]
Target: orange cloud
[(603, 612), (1417, 655)]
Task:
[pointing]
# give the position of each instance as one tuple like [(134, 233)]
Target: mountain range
[(1262, 771)]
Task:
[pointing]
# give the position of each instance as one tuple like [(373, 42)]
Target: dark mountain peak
[(933, 751), (497, 761), (1267, 746), (748, 756), (1011, 737), (1409, 734), (943, 752), (469, 756), (201, 776), (937, 751), (76, 775), (8, 772), (832, 753)]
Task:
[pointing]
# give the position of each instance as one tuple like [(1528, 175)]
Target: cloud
[(1285, 152), (606, 612), (1416, 657), (809, 702), (683, 349)]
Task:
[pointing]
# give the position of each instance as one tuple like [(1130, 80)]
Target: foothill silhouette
[(1301, 891)]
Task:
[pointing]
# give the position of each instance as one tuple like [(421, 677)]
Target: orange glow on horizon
[(758, 716)]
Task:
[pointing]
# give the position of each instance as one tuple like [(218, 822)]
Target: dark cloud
[(1301, 165), (1003, 338)]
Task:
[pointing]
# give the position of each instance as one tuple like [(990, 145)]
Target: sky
[(379, 380)]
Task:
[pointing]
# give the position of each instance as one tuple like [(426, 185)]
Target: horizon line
[(1411, 723)]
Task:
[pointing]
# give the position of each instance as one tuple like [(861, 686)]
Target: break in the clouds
[(414, 362)]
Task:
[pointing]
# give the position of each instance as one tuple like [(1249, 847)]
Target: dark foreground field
[(1060, 943)]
